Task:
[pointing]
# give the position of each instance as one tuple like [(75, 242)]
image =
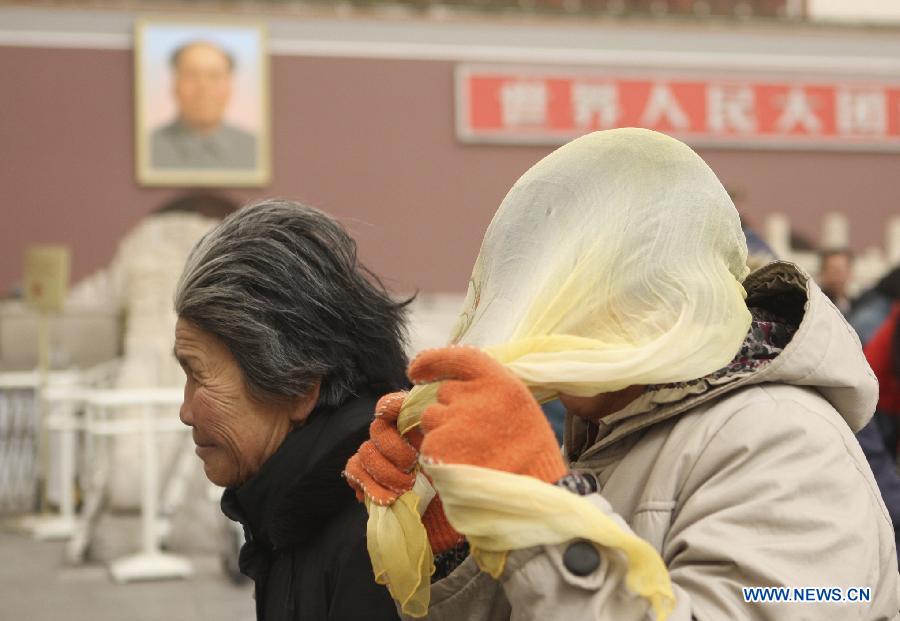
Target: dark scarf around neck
[(300, 487)]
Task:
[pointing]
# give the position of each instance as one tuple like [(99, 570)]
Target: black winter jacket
[(305, 532)]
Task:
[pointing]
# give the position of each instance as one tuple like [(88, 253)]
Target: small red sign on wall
[(527, 105)]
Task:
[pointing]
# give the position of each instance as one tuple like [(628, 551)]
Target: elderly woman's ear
[(305, 404)]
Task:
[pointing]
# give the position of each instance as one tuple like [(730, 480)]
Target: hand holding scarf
[(383, 467), (484, 416)]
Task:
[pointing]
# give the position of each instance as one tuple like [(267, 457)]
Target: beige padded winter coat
[(759, 482)]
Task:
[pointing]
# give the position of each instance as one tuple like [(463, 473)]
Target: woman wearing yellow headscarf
[(709, 451)]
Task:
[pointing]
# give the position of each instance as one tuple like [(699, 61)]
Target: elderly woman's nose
[(184, 413)]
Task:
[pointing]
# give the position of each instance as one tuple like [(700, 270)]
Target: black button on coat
[(305, 531)]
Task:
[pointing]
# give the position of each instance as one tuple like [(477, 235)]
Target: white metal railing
[(21, 470), (79, 404), (127, 411)]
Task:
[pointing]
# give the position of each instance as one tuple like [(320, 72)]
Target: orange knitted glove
[(383, 466), (485, 416)]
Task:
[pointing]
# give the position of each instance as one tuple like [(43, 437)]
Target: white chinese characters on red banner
[(515, 105)]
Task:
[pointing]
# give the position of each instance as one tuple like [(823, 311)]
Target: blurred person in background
[(872, 308), (721, 437), (874, 317), (199, 137), (286, 342), (835, 274), (879, 438)]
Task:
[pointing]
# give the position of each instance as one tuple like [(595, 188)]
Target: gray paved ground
[(35, 585)]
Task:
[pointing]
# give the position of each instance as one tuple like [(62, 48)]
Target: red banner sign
[(516, 105)]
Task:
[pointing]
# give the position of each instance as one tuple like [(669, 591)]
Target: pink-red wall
[(370, 141)]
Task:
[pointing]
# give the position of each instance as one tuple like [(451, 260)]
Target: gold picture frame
[(202, 103)]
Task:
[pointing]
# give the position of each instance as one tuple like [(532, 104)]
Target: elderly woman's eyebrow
[(183, 359)]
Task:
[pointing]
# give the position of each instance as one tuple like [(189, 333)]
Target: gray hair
[(279, 283)]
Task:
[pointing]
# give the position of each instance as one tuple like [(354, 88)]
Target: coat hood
[(824, 355)]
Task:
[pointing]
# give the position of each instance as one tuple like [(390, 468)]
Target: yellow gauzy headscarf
[(617, 260)]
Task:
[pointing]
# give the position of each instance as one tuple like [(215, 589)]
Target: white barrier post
[(892, 243), (778, 235), (59, 395), (835, 231), (62, 421), (149, 483)]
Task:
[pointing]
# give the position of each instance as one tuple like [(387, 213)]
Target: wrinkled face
[(234, 433), (202, 86)]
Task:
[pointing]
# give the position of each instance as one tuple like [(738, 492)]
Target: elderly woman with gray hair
[(286, 342)]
